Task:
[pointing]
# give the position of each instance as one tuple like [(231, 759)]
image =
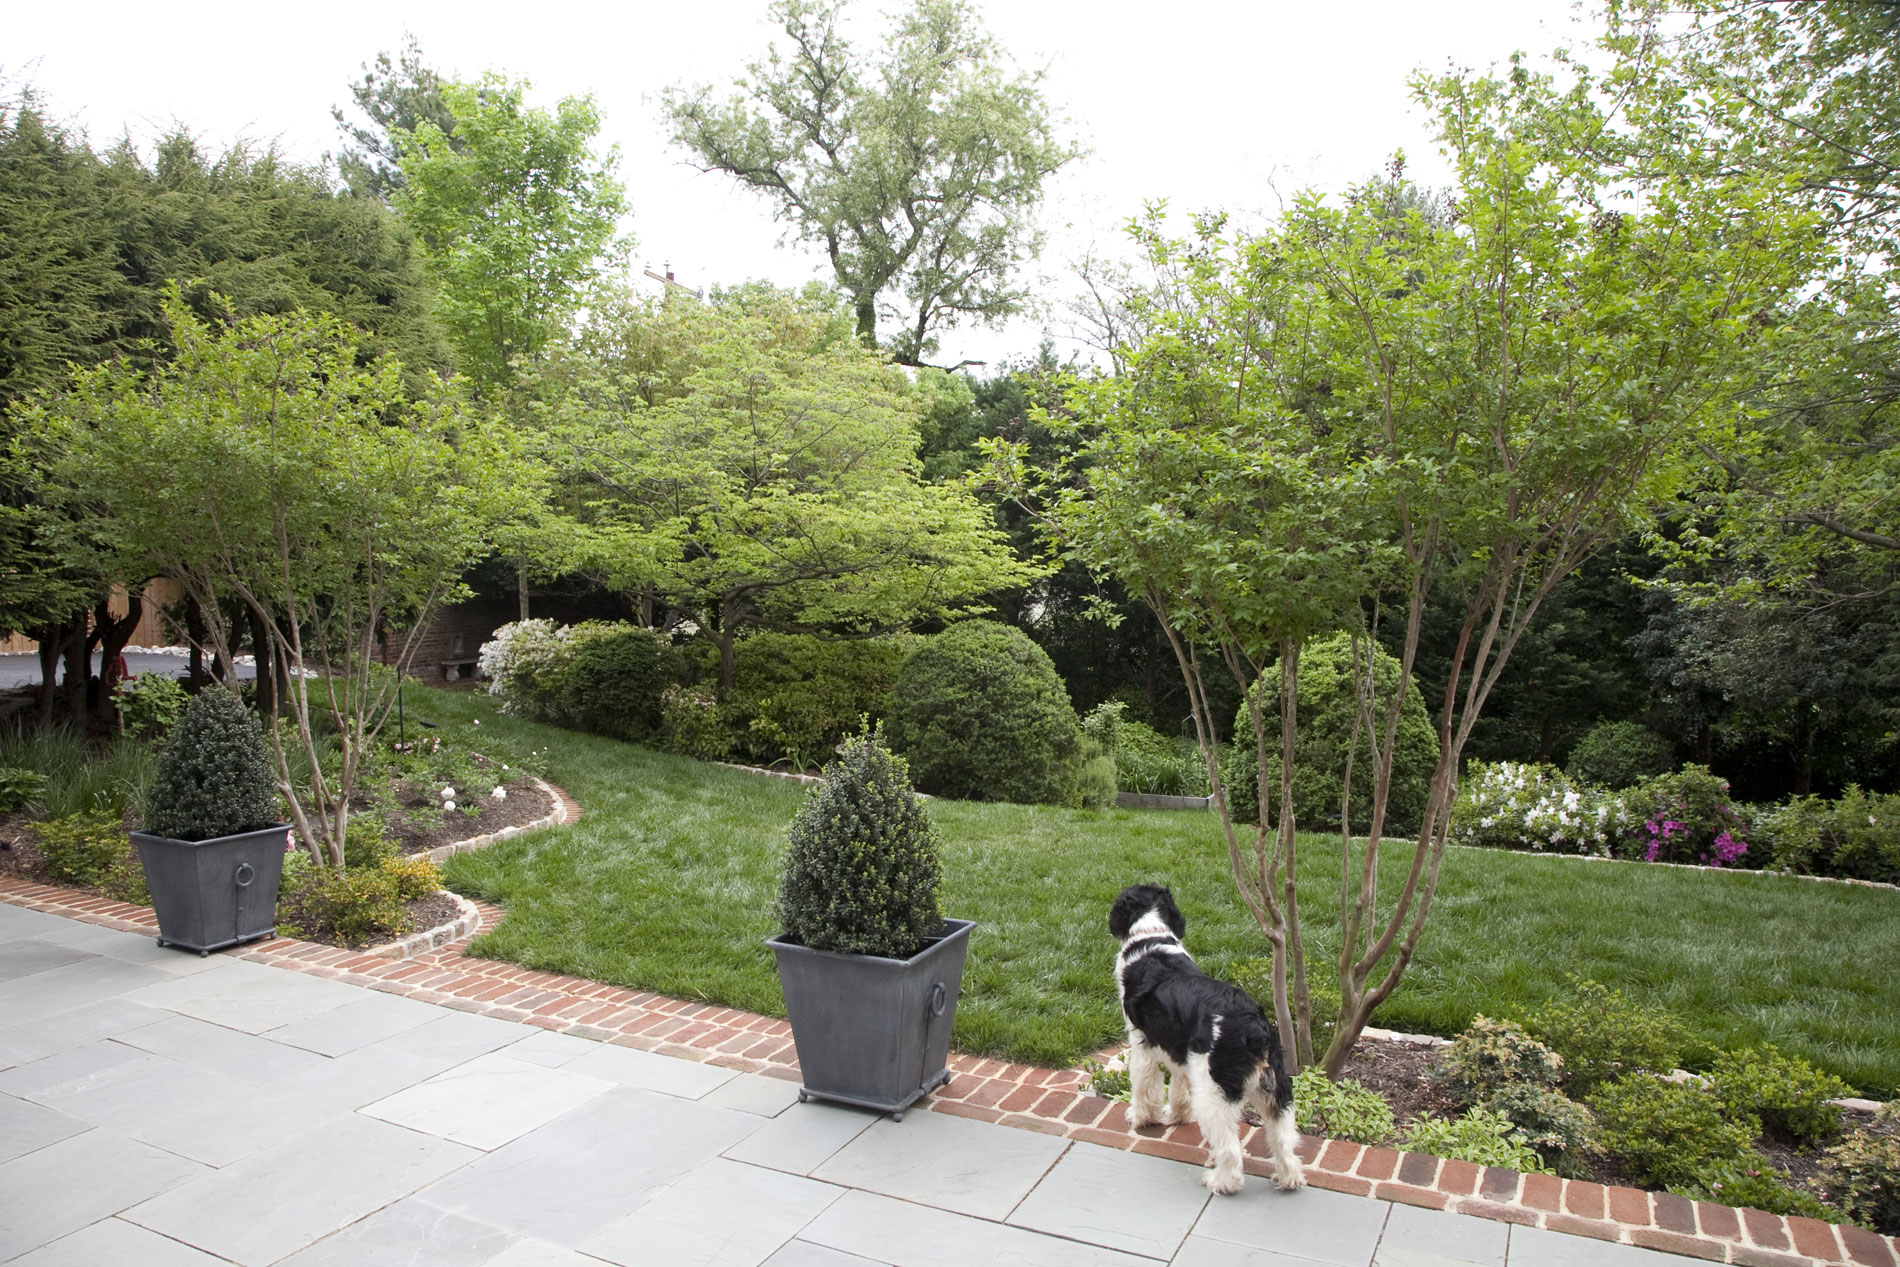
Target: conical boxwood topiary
[(861, 872), (214, 777)]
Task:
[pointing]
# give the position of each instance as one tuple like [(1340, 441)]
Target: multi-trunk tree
[(260, 464), (1327, 422)]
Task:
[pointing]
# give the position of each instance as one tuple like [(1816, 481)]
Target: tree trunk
[(521, 585), (113, 636), (195, 635), (50, 639), (77, 650), (866, 306), (262, 648)]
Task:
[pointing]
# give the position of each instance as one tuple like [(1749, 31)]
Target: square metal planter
[(209, 894), (873, 1032)]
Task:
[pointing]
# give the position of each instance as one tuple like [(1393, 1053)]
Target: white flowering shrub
[(524, 664), (1513, 805)]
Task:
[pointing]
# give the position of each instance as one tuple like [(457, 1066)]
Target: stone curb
[(466, 924)]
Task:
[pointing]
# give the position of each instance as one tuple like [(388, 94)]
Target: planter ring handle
[(245, 874), (938, 999)]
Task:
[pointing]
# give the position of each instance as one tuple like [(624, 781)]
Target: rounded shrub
[(1684, 817), (1492, 1054), (612, 677), (1788, 1094), (1601, 1035), (1326, 721), (861, 868), (214, 776), (1619, 754), (979, 713), (1668, 1134)]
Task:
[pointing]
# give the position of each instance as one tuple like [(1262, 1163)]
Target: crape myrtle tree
[(916, 171), (261, 464), (749, 464), (1330, 419)]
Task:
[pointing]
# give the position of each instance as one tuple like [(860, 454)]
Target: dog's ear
[(1123, 914), (1172, 913)]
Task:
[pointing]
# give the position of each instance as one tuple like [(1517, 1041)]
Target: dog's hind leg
[(1282, 1135), (1219, 1120), (1180, 1106), (1145, 1093)]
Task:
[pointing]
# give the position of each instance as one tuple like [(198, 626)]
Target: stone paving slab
[(487, 1102), (114, 1241), (723, 1214), (701, 1100)]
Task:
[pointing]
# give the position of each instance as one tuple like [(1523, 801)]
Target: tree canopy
[(755, 466), (917, 171)]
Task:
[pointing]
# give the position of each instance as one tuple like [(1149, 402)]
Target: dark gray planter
[(873, 1032), (209, 894)]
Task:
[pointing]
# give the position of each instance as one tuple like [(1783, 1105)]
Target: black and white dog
[(1221, 1051)]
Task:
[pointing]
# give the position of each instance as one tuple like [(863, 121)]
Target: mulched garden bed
[(421, 826), (1402, 1073)]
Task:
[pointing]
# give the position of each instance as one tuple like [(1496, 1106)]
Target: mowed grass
[(667, 883)]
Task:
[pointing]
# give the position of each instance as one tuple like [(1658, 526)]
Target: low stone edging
[(467, 922)]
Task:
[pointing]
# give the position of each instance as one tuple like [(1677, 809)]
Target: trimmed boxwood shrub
[(980, 713), (214, 776), (1619, 754), (861, 867), (1326, 728)]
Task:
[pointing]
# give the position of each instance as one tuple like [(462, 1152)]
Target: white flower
[(504, 765), (475, 722), (448, 793), (500, 793), (447, 806)]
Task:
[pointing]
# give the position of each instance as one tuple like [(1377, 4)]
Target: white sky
[(1207, 103)]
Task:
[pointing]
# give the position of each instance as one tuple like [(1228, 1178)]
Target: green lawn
[(667, 884)]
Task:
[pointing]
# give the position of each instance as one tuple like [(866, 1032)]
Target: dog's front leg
[(1145, 1105)]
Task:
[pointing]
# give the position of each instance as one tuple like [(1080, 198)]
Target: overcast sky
[(1205, 103)]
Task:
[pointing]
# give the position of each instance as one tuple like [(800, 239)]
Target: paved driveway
[(166, 1110)]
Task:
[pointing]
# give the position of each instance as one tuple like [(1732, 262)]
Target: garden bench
[(454, 669)]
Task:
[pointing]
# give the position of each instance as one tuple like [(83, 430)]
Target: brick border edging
[(1049, 1101)]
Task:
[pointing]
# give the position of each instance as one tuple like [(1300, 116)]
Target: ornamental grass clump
[(861, 870), (214, 776)]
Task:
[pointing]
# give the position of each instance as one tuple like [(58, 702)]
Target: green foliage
[(264, 465), (214, 777), (1110, 1084), (415, 875), (1687, 817), (1861, 1176), (1145, 759), (516, 213), (1480, 1136), (693, 723), (980, 714), (795, 697), (614, 676), (150, 704), (20, 788), (1326, 714), (1756, 1185), (1667, 1134), (1602, 1035), (1619, 754), (839, 143), (396, 96), (1786, 1093), (357, 905), (1490, 1055), (366, 843), (861, 867), (1857, 837), (1497, 1066), (1345, 1109), (525, 662), (82, 848), (747, 462), (75, 774), (1562, 1131), (1095, 779)]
